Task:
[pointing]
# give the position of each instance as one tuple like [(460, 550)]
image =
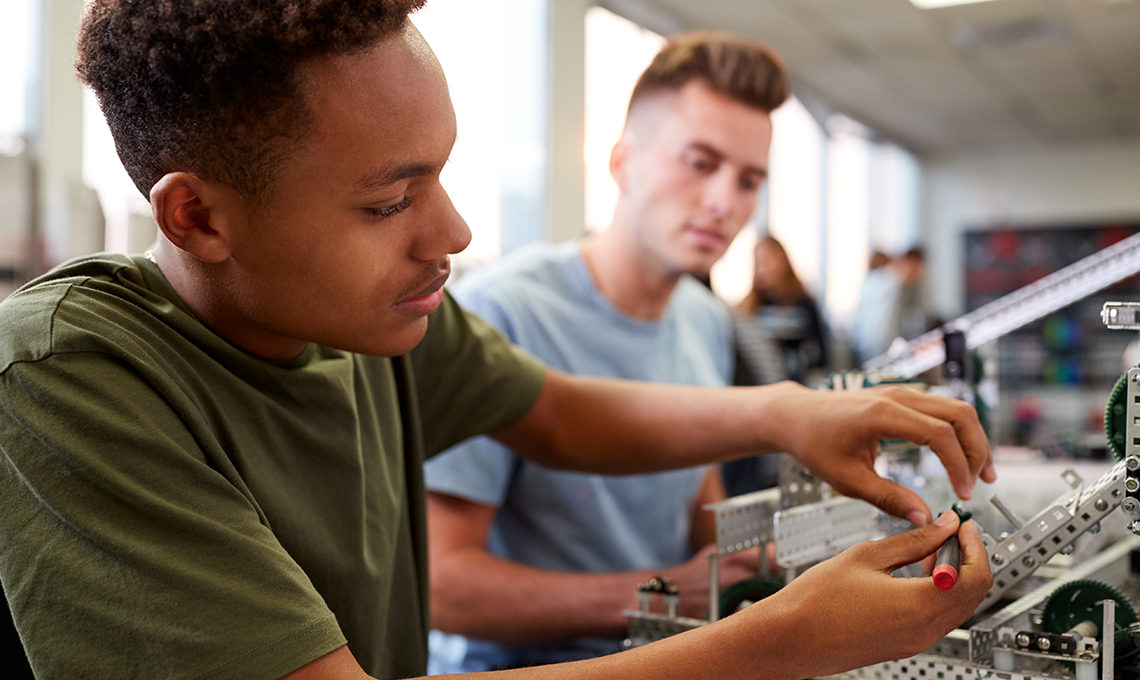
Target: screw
[(1029, 562), (1023, 639), (1101, 505), (1132, 463), (999, 559), (1095, 528), (1134, 527), (1132, 485), (1043, 644), (1067, 550), (1130, 505)]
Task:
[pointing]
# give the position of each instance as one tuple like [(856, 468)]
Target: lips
[(706, 236), (431, 287)]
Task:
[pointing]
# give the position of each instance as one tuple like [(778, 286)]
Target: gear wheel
[(1080, 600), (748, 591), (1115, 420)]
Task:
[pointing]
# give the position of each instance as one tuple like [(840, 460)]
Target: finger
[(975, 569), (911, 546), (989, 473), (969, 437), (888, 496)]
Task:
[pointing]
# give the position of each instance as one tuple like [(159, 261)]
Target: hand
[(850, 612), (692, 578), (841, 449)]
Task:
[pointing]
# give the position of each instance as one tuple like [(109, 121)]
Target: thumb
[(911, 546)]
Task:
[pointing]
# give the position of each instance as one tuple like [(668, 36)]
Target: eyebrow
[(391, 173), (719, 155)]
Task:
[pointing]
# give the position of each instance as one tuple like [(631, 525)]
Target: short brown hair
[(733, 66), (210, 86)]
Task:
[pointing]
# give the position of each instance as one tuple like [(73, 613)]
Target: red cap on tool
[(945, 576)]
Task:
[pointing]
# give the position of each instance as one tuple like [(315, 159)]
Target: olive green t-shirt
[(172, 506)]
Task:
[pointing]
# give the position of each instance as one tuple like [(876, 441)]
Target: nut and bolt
[(1132, 485), (1132, 463), (1130, 505)]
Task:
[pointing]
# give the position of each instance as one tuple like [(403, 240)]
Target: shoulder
[(694, 299), (531, 276), (72, 304)]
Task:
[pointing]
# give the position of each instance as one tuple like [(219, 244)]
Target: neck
[(203, 290), (628, 276)]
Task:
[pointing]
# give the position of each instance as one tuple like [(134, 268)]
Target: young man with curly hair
[(210, 455)]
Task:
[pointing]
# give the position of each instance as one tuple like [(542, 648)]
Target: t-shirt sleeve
[(470, 379), (479, 469), (124, 552)]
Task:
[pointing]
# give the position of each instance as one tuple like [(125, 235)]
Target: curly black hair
[(210, 86)]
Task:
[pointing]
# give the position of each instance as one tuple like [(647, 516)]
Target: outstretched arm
[(614, 426), (844, 613), (478, 594)]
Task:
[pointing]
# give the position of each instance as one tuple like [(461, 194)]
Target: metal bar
[(1022, 306)]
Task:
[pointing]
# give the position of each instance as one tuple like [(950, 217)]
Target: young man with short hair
[(210, 457), (534, 565)]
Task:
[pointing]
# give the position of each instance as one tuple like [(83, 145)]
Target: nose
[(445, 232), (720, 194)]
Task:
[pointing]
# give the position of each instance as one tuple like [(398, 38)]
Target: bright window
[(796, 167), (617, 51), (493, 53), (16, 47)]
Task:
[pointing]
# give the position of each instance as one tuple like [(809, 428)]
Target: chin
[(392, 343)]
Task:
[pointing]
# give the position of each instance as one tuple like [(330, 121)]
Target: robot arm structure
[(1049, 619)]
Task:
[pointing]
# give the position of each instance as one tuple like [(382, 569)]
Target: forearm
[(617, 427), (483, 596), (752, 644)]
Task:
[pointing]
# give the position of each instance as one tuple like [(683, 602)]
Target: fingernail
[(916, 518), (966, 493), (945, 518)]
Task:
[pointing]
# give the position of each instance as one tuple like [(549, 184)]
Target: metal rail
[(1025, 305)]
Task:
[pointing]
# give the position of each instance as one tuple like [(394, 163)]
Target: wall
[(1064, 184), (1027, 186)]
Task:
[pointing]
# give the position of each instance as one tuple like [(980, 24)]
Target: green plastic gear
[(1115, 420), (747, 591), (1080, 600)]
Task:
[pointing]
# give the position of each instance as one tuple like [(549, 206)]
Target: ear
[(619, 162), (194, 215)]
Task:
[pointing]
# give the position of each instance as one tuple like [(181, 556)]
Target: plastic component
[(1080, 600), (1116, 417)]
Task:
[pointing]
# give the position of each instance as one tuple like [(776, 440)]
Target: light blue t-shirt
[(543, 297)]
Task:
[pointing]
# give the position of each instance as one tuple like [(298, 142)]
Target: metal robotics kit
[(1065, 579)]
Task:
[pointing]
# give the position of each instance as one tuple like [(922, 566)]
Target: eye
[(749, 183), (701, 164), (386, 211)]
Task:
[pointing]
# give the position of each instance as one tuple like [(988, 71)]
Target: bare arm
[(844, 613), (478, 594), (637, 427)]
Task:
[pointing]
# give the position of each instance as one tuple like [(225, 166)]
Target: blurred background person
[(891, 304), (779, 335), (780, 306)]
